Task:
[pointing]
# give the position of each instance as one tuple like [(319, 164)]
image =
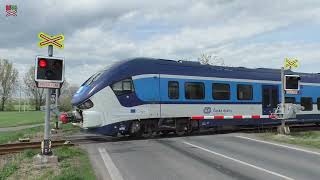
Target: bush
[(9, 107), (65, 104)]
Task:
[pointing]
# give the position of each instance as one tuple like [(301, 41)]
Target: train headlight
[(86, 105)]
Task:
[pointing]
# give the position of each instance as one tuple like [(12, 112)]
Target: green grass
[(74, 164), (72, 170), (307, 139), (10, 119), (69, 128), (11, 136), (12, 166), (8, 170)]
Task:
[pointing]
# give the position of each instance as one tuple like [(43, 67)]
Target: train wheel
[(136, 130), (148, 133), (180, 133), (182, 127), (165, 132)]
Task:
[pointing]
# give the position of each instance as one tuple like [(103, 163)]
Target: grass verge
[(68, 129), (307, 139), (73, 164), (11, 119), (8, 170)]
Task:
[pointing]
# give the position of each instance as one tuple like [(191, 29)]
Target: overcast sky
[(98, 33)]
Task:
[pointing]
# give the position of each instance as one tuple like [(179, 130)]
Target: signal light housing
[(292, 82), (49, 69)]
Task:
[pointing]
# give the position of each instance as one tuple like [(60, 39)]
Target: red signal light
[(43, 63)]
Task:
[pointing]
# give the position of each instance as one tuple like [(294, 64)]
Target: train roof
[(137, 66)]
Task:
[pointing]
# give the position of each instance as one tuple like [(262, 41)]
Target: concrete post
[(46, 144)]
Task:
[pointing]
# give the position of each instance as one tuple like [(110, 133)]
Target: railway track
[(18, 147)]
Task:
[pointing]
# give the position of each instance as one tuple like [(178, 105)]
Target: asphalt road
[(227, 156)]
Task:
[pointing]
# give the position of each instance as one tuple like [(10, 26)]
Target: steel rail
[(18, 147)]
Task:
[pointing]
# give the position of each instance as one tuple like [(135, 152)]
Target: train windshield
[(92, 79)]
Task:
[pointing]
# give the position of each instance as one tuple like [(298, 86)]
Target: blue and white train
[(142, 96)]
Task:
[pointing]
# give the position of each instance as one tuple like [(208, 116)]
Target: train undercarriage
[(178, 126), (144, 127), (150, 127)]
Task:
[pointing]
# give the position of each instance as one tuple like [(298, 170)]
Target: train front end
[(95, 103)]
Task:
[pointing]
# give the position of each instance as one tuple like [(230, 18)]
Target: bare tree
[(8, 81), (217, 60), (206, 58), (37, 94)]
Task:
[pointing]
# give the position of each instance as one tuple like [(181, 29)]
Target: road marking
[(111, 167), (280, 145), (239, 161)]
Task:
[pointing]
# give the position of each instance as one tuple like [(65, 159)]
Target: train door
[(270, 98)]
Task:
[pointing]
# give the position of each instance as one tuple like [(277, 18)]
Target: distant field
[(308, 138), (10, 119)]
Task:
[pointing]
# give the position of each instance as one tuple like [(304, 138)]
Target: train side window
[(244, 92), (173, 90), (290, 100), (306, 102), (123, 87), (318, 103), (194, 90), (220, 91)]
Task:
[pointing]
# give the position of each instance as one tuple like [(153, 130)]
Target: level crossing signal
[(292, 84), (49, 71)]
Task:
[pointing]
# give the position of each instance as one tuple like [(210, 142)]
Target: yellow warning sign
[(290, 63), (46, 40)]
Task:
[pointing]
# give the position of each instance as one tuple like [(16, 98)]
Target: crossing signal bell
[(49, 69)]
